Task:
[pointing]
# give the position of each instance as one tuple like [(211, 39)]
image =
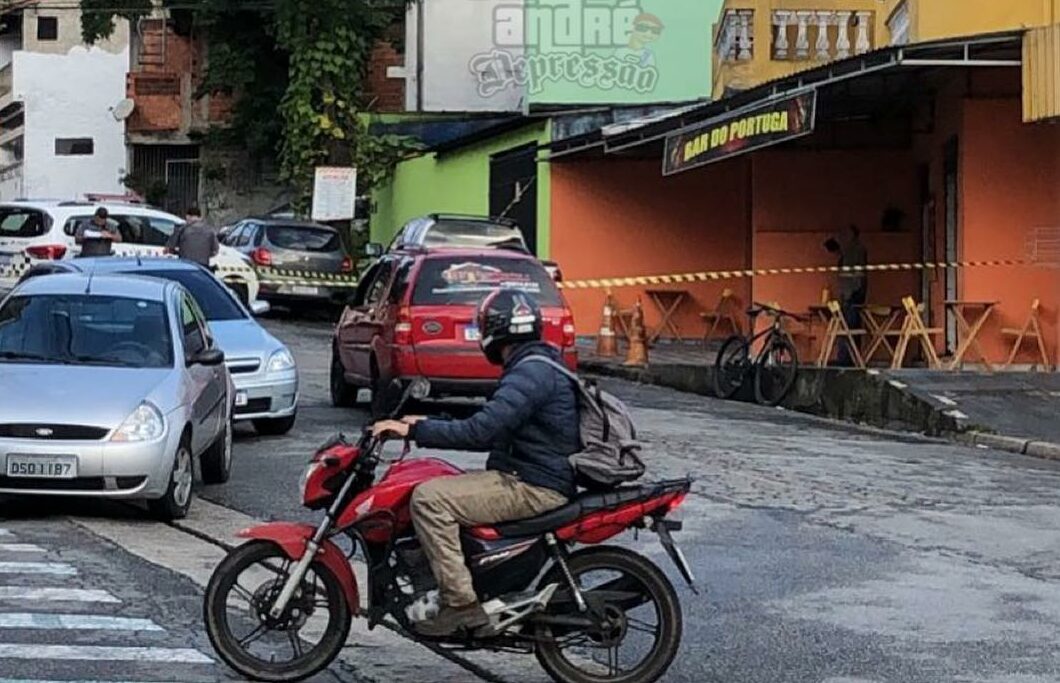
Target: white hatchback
[(32, 232)]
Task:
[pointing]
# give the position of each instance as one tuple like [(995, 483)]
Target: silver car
[(263, 369), (112, 386)]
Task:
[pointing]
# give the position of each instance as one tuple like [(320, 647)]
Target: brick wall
[(383, 93)]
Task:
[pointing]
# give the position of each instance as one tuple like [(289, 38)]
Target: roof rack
[(472, 217)]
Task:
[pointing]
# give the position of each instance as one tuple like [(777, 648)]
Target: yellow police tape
[(712, 275), (283, 276)]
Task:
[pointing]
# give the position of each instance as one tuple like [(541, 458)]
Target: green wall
[(456, 182)]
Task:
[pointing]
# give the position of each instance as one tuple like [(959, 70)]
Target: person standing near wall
[(853, 285)]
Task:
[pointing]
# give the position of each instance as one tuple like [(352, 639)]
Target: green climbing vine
[(297, 68)]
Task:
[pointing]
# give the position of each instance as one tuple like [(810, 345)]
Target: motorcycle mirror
[(421, 388)]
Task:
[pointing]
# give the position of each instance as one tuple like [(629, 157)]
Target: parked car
[(414, 315), (459, 230), (291, 245), (32, 232), (262, 367), (112, 386)]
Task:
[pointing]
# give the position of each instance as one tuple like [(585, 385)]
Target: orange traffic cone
[(606, 346), (638, 346)]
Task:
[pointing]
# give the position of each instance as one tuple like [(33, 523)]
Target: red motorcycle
[(279, 607)]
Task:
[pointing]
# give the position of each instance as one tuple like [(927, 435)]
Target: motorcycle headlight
[(280, 361), (143, 424)]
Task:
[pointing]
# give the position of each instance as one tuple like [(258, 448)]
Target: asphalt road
[(829, 554)]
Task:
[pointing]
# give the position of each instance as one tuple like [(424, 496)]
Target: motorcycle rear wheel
[(228, 600), (567, 655)]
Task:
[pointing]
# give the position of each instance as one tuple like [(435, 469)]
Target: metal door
[(513, 189), (182, 185)]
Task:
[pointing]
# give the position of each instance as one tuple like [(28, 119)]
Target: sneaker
[(452, 619)]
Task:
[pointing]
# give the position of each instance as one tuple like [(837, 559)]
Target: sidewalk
[(1008, 411)]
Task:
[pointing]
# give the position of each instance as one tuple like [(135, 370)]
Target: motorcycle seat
[(583, 504)]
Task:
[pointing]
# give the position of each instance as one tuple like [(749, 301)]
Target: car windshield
[(465, 280), (17, 221), (216, 303), (474, 234), (302, 238), (84, 329)]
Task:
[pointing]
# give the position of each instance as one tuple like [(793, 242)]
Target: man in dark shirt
[(95, 236), (195, 240), (853, 285)]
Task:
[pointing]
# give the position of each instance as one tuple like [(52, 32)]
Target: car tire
[(175, 502), (241, 291), (216, 462), (274, 426), (343, 394)]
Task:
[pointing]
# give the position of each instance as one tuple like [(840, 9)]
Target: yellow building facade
[(760, 40)]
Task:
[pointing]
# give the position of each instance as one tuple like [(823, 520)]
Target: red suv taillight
[(261, 257), (347, 265), (51, 252), (403, 328), (568, 330)]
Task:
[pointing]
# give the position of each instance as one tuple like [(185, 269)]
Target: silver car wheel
[(182, 477)]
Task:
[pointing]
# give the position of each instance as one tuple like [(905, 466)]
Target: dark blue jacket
[(529, 425)]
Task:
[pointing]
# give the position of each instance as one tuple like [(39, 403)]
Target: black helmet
[(505, 317)]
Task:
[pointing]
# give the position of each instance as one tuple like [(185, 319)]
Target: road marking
[(74, 622), (944, 400), (37, 568), (99, 653), (56, 594), (20, 548)]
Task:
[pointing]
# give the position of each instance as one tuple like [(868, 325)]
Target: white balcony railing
[(736, 36), (821, 35)]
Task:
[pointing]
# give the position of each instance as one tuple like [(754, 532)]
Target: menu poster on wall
[(334, 193), (738, 133)]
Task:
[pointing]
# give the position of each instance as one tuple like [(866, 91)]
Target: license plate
[(42, 467), (303, 290), (241, 399), (471, 333)]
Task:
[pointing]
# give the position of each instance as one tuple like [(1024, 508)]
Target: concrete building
[(59, 136)]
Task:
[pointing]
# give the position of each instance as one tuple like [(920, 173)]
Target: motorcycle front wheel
[(638, 623), (307, 637)]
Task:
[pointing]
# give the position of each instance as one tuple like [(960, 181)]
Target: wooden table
[(969, 332), (667, 301), (880, 323)]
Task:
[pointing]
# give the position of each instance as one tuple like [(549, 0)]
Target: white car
[(32, 232)]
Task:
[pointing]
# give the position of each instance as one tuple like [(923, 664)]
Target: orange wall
[(1010, 188), (618, 217)]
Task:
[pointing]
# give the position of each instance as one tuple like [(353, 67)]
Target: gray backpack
[(610, 450)]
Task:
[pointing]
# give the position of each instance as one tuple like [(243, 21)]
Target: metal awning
[(875, 75)]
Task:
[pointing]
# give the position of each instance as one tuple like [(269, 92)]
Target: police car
[(33, 232)]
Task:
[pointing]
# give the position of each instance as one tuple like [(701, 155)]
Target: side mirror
[(209, 357), (259, 307), (373, 250)]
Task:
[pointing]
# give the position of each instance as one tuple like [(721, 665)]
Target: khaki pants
[(441, 506)]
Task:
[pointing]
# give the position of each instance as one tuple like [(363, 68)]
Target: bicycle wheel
[(731, 366), (776, 370)]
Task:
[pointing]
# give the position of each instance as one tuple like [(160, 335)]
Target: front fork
[(298, 572)]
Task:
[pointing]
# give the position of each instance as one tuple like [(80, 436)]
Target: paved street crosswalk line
[(59, 568), (99, 653), (74, 622), (55, 595), (20, 548)]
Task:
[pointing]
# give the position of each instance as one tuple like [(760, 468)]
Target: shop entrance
[(513, 189)]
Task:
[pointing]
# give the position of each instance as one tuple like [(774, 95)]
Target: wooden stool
[(724, 312), (624, 321), (838, 329), (913, 328), (1032, 329)]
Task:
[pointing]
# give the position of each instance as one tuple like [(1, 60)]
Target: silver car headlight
[(280, 361), (143, 424)]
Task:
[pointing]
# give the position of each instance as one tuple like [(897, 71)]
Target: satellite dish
[(123, 110)]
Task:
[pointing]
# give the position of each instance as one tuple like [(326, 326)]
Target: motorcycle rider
[(529, 427)]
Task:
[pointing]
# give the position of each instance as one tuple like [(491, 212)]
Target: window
[(213, 298), (47, 28), (72, 224), (379, 285), (401, 282), (153, 232), (246, 235), (194, 341), (464, 281), (18, 222), (74, 147), (232, 238), (302, 238)]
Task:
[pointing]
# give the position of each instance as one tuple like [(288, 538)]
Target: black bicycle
[(775, 367)]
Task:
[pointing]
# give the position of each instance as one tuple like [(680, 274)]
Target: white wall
[(70, 96), (454, 33)]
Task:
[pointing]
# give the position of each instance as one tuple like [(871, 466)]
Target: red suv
[(413, 315)]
